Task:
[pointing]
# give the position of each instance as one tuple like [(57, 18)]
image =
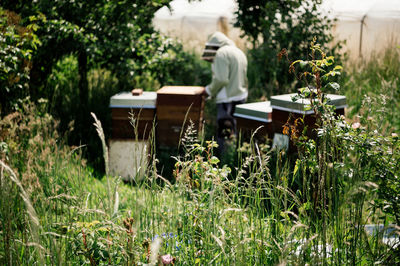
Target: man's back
[(237, 64)]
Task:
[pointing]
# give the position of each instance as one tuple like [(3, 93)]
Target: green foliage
[(93, 49), (207, 216), (112, 35), (265, 211), (346, 166), (199, 162), (170, 65), (17, 44), (164, 63), (372, 89), (102, 32), (272, 26)]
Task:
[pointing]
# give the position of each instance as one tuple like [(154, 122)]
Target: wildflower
[(356, 125), (166, 237), (395, 136), (167, 259)]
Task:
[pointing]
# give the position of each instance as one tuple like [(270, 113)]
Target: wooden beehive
[(254, 116), (283, 106), (125, 106), (174, 105)]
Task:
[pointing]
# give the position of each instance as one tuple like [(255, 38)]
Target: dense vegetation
[(318, 206), (89, 50), (275, 25)]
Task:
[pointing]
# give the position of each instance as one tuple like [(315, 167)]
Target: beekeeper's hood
[(217, 40)]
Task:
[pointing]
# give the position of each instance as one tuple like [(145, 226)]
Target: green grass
[(373, 89), (272, 209)]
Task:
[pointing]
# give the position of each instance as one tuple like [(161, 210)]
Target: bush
[(17, 44), (168, 64), (271, 26)]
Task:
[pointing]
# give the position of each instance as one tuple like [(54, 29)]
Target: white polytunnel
[(192, 23), (366, 25)]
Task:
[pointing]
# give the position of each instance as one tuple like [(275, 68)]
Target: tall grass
[(373, 89), (271, 209)]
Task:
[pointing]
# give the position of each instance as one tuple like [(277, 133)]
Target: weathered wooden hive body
[(132, 122), (283, 106), (254, 116), (176, 105), (127, 109), (269, 117)]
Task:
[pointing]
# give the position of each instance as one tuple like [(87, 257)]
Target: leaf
[(333, 85), (303, 64), (317, 69), (296, 167), (307, 107), (214, 160), (304, 90), (331, 74), (337, 68), (295, 98), (295, 62), (329, 60), (319, 62)]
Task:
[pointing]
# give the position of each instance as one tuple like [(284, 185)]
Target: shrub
[(271, 26), (17, 44), (343, 169)]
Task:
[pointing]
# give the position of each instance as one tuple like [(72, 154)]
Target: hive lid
[(259, 111), (284, 103), (181, 90), (127, 100)]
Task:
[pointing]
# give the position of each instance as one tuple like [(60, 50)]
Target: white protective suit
[(229, 68), (229, 84)]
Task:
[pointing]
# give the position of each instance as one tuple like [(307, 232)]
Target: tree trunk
[(82, 115), (83, 82)]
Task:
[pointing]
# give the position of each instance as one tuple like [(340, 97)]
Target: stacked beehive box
[(273, 115), (283, 106), (132, 122), (174, 106), (177, 105), (252, 116), (128, 109)]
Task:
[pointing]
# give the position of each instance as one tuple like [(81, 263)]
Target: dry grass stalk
[(100, 132), (34, 220), (154, 250)]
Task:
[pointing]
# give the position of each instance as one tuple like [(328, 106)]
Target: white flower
[(356, 125), (167, 259)]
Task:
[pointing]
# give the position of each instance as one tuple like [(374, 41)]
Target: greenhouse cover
[(365, 25)]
